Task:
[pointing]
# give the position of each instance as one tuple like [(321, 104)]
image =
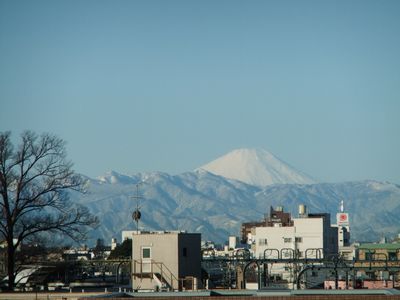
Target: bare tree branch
[(34, 184)]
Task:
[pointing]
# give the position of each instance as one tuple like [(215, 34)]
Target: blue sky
[(138, 86)]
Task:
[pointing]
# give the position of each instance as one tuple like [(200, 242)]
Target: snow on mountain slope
[(256, 167), (194, 201), (216, 206), (238, 187), (115, 177)]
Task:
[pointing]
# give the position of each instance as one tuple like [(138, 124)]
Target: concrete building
[(310, 235), (166, 260), (343, 225), (127, 234), (232, 242), (275, 216), (385, 255), (114, 244), (346, 250)]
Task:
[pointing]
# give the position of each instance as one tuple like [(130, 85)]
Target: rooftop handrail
[(271, 250)]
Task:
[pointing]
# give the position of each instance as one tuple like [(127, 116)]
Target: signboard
[(342, 219)]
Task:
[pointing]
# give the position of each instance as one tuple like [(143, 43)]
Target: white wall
[(311, 230), (308, 231), (275, 238)]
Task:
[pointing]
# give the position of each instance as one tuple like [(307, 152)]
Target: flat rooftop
[(388, 294)]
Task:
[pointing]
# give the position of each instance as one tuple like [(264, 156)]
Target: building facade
[(310, 235), (383, 255), (284, 237), (275, 216), (343, 224), (166, 260)]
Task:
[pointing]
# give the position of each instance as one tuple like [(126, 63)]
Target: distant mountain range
[(239, 187)]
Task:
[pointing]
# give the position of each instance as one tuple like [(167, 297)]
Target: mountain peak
[(114, 177), (257, 167)]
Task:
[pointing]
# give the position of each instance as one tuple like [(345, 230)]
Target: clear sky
[(137, 86)]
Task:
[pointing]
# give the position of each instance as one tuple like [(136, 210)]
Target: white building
[(346, 250), (343, 224), (308, 236), (127, 234), (232, 242), (114, 244)]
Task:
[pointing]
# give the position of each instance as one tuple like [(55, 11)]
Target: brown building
[(276, 216), (382, 255)]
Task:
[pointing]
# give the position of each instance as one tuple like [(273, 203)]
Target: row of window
[(146, 252), (264, 242), (371, 256)]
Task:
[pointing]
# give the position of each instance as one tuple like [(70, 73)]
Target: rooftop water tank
[(302, 210)]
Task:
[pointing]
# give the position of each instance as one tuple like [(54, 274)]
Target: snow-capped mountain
[(194, 201), (216, 206), (256, 167), (209, 201)]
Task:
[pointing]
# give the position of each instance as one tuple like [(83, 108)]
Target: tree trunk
[(11, 265), (35, 177)]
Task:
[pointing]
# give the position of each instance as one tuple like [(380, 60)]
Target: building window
[(287, 254), (392, 256), (287, 240), (262, 242), (146, 252), (299, 239), (184, 252), (368, 256)]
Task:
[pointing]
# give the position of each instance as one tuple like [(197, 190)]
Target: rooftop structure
[(343, 225), (276, 217), (166, 260)]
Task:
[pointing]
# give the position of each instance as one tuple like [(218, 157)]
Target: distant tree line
[(123, 250)]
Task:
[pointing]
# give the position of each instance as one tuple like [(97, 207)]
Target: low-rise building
[(346, 250), (379, 251), (381, 262), (275, 216), (166, 260), (310, 235)]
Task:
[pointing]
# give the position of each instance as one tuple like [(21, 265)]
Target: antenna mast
[(137, 214)]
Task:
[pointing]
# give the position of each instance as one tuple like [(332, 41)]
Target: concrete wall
[(307, 233), (179, 253), (272, 237), (311, 231), (189, 251), (164, 249)]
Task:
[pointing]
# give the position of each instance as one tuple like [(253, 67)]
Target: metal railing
[(151, 267)]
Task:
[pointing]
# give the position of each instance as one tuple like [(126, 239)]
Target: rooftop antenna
[(341, 206), (136, 214)]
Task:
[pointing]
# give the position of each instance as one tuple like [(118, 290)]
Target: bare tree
[(35, 181)]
